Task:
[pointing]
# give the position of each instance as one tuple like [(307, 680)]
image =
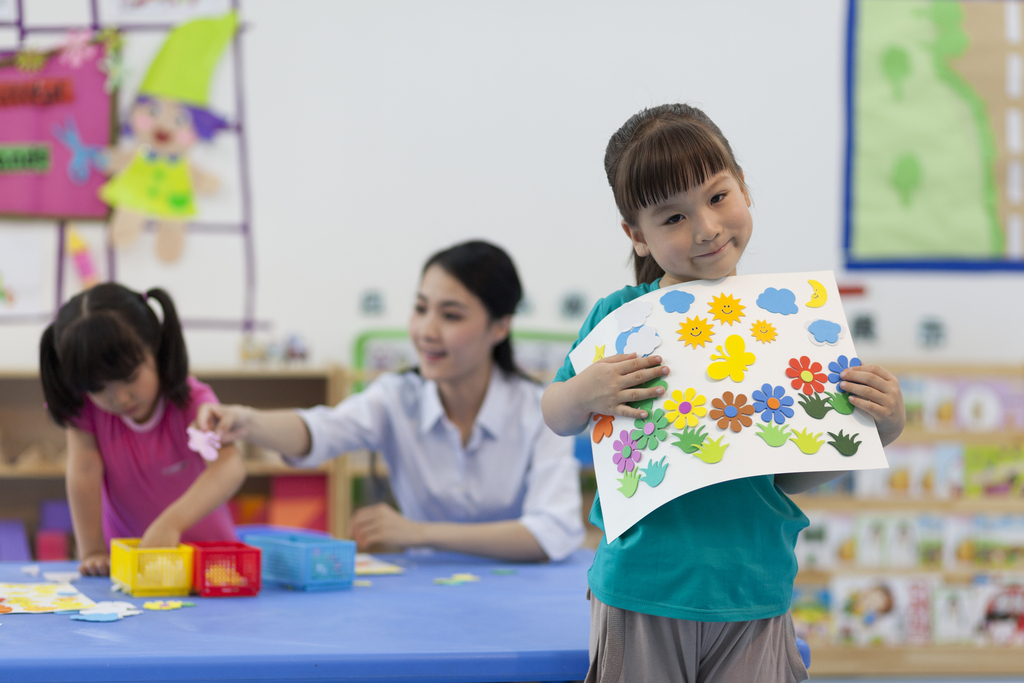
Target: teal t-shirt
[(720, 553)]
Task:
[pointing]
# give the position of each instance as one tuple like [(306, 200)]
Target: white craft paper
[(747, 454)]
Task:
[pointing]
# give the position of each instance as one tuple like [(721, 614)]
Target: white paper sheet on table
[(632, 328)]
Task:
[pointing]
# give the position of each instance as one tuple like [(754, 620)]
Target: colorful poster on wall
[(935, 122), (55, 122), (753, 390)]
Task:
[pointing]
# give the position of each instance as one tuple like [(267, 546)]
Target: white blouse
[(513, 467)]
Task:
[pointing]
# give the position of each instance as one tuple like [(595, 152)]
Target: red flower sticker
[(807, 376)]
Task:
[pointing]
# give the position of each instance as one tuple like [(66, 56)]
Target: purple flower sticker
[(627, 456)]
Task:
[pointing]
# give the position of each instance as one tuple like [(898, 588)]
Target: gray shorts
[(628, 647)]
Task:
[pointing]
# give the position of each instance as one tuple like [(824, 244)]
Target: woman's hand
[(610, 384), (381, 524), (876, 391), (95, 565), (230, 422), (160, 534)]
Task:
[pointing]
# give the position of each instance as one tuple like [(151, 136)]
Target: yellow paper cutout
[(819, 297), (733, 362), (763, 331), (695, 331), (598, 352), (727, 309)]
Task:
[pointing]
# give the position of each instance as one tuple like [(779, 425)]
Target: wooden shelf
[(917, 435), (953, 506), (946, 660), (816, 577)]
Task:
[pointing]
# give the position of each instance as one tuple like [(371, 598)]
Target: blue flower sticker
[(825, 332), (772, 403), (778, 301), (677, 301), (838, 365)]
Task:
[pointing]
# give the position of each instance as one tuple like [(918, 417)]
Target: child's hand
[(160, 535), (231, 423), (607, 386), (876, 391), (95, 565), (381, 524)]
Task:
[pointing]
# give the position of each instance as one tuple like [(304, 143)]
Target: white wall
[(382, 131)]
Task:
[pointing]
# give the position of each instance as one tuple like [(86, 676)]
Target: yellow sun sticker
[(726, 309), (695, 331), (763, 331)]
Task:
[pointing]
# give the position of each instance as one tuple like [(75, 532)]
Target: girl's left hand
[(381, 524), (160, 535), (876, 391)]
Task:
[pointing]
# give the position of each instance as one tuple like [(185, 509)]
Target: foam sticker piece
[(603, 427), (825, 332), (695, 332), (814, 405), (819, 295), (846, 444), (733, 362), (677, 301), (689, 440), (629, 483), (124, 609), (807, 376), (99, 616), (632, 314), (650, 431), (654, 473), (781, 301), (598, 352), (727, 310), (626, 455), (837, 366), (763, 331), (773, 434), (712, 451), (206, 444), (731, 412), (772, 403), (643, 341), (362, 583), (61, 577), (163, 605), (806, 441), (620, 340)]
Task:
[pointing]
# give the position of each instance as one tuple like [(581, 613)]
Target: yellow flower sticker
[(684, 409)]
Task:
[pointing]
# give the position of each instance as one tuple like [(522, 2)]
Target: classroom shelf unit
[(28, 434)]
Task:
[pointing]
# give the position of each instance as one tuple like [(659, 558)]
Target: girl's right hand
[(231, 423), (610, 384), (95, 565)]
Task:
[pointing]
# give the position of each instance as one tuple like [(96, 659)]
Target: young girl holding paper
[(698, 590), (116, 377)]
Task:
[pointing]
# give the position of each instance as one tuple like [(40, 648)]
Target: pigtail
[(171, 354), (646, 269), (61, 402)]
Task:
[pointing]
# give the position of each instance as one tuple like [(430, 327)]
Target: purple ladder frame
[(248, 322)]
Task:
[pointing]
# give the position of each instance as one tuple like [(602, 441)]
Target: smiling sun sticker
[(726, 309), (695, 331), (763, 331)]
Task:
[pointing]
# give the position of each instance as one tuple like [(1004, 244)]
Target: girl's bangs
[(98, 349), (665, 161)]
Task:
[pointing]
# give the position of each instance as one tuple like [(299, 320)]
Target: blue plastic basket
[(306, 562)]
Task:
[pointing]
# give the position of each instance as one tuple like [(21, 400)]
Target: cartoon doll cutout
[(154, 181)]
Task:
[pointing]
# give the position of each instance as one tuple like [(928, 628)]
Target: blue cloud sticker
[(677, 301), (778, 301), (620, 341), (825, 332)]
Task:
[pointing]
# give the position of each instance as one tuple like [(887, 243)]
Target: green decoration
[(774, 435), (647, 405), (844, 443), (840, 403), (712, 451), (815, 405), (629, 482), (650, 431), (896, 67), (654, 473), (184, 66), (807, 442), (159, 187), (906, 177), (690, 439), (24, 158)]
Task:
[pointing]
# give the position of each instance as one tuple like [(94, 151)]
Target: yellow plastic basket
[(150, 571)]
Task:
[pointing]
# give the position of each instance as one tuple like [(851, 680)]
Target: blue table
[(529, 626)]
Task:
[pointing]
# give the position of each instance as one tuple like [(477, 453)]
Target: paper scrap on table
[(503, 571), (62, 577), (368, 565), (40, 598), (362, 583), (456, 579), (30, 570), (753, 390)]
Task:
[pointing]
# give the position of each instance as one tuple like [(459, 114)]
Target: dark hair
[(659, 153), (102, 335), (487, 272), (205, 122)]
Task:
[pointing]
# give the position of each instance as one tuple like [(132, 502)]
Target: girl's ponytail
[(61, 402), (171, 355), (646, 269)]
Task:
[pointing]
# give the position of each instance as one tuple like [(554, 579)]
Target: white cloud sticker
[(632, 314), (643, 341)]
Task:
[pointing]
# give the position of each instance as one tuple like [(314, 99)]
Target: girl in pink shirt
[(117, 378)]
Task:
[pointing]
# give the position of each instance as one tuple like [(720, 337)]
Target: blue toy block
[(14, 541)]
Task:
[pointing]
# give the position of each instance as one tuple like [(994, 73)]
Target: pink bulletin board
[(54, 122)]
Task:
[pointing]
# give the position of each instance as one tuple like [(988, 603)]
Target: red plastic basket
[(225, 568)]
